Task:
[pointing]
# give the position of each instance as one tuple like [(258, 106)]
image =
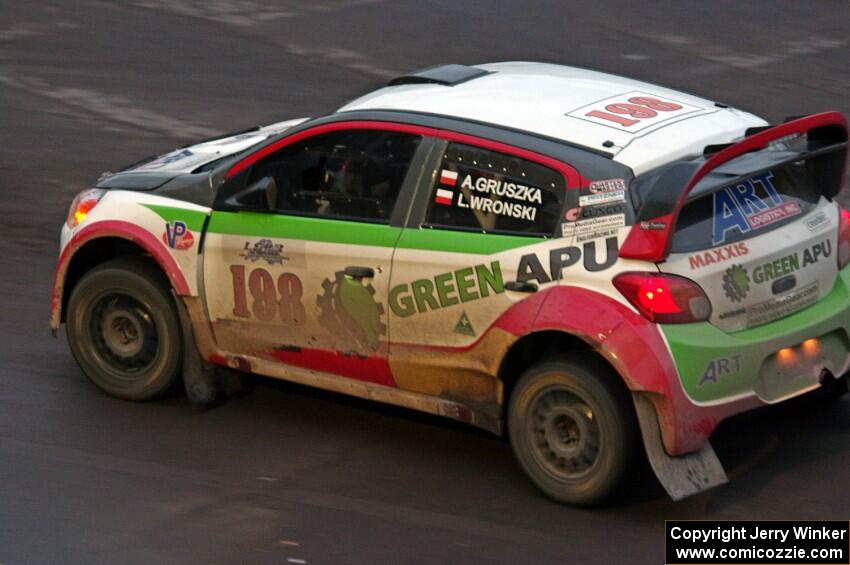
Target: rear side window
[(484, 191), (754, 206)]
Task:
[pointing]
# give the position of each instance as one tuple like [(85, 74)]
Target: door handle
[(521, 286), (356, 272)]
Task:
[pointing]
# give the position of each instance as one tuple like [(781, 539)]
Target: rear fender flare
[(636, 348)]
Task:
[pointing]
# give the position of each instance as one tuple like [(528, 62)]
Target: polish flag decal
[(444, 197), (448, 178)]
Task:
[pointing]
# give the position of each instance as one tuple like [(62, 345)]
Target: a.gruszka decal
[(524, 197)]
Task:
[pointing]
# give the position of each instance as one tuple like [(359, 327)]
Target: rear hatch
[(756, 227)]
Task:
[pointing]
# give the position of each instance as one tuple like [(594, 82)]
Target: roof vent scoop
[(447, 75)]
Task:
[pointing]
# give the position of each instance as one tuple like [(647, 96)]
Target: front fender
[(115, 229)]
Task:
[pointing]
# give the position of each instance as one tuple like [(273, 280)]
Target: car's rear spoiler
[(651, 235)]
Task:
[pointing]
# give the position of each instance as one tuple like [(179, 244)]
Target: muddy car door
[(455, 270), (304, 283)]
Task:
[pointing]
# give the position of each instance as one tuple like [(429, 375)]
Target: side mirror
[(261, 196)]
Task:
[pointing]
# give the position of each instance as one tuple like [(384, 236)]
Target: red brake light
[(664, 299), (843, 237), (82, 204)]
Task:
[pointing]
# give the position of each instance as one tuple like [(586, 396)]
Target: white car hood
[(187, 159)]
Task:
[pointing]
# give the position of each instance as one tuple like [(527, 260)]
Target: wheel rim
[(124, 335), (566, 438)]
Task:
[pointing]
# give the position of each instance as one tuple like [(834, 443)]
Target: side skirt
[(197, 376), (681, 476)]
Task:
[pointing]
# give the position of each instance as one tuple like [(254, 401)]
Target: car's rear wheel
[(123, 329), (572, 429)]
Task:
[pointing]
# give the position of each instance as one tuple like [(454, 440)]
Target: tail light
[(82, 204), (843, 237), (664, 299)]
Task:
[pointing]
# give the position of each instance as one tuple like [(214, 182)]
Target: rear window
[(484, 191), (747, 208)]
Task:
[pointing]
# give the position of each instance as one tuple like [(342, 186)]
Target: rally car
[(590, 264)]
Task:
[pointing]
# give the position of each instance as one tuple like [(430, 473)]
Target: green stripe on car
[(253, 224)]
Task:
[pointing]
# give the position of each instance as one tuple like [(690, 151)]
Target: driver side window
[(345, 175)]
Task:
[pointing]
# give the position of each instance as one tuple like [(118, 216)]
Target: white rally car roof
[(554, 100)]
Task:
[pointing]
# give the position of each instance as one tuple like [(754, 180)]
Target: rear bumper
[(723, 374)]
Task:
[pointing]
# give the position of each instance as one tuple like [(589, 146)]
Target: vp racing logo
[(177, 235), (736, 283), (350, 314)]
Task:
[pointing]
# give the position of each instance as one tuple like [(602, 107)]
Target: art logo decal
[(736, 283), (738, 209), (265, 250), (350, 314), (177, 235), (721, 367)]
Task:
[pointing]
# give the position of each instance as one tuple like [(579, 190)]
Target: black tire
[(123, 329), (572, 429)]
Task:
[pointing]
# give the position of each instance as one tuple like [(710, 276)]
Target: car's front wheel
[(123, 329), (572, 429)]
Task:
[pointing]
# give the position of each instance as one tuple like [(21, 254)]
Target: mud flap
[(681, 476), (205, 384)]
